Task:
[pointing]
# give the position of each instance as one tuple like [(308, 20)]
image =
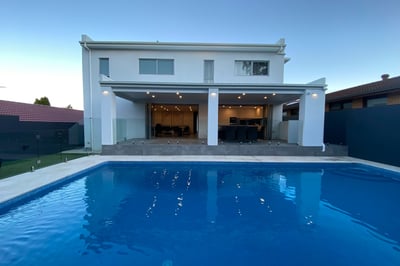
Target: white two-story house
[(143, 90)]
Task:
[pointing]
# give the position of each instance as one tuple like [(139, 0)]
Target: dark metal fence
[(370, 133), (19, 139)]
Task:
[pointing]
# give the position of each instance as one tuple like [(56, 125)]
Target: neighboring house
[(378, 93), (365, 118), (27, 129), (142, 90)]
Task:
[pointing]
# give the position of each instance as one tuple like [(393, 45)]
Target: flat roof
[(278, 48)]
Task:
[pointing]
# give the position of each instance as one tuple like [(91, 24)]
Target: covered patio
[(211, 105)]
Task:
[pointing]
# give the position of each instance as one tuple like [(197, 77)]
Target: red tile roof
[(40, 113), (379, 87)]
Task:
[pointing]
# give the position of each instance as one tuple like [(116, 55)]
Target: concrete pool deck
[(16, 186)]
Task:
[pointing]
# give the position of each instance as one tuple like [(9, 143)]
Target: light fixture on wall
[(105, 92), (265, 97), (239, 97), (153, 96), (147, 92), (314, 95), (213, 94)]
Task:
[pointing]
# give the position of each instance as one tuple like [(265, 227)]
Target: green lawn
[(12, 168)]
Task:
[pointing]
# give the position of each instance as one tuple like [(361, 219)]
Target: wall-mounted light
[(153, 96), (105, 92), (265, 97), (147, 92), (314, 95), (213, 94)]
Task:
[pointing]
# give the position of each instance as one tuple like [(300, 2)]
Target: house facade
[(144, 90)]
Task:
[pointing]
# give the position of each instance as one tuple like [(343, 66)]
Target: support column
[(212, 117), (311, 118), (108, 117)]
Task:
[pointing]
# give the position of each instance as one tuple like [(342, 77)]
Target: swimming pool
[(164, 213)]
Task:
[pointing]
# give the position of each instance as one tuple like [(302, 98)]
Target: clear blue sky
[(350, 42)]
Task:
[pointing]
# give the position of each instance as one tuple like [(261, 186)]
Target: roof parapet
[(277, 48), (86, 38)]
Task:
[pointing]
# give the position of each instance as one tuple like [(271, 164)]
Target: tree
[(43, 101)]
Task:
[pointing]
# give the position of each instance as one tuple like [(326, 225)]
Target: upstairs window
[(156, 66), (104, 67), (251, 68)]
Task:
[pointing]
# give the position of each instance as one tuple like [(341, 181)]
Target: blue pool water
[(209, 214)]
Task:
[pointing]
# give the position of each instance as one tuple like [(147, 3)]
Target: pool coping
[(16, 186)]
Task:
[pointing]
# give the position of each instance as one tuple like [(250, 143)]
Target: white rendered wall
[(311, 118), (189, 66), (92, 101), (289, 131), (108, 115), (131, 119), (212, 121)]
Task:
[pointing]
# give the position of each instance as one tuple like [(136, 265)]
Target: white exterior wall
[(212, 128), (311, 118), (131, 120), (92, 100), (189, 66), (108, 117)]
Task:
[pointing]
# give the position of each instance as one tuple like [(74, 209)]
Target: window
[(340, 106), (104, 67), (376, 101), (251, 68), (156, 66), (208, 71)]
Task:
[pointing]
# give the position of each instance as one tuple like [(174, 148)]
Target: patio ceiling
[(195, 93), (182, 97)]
